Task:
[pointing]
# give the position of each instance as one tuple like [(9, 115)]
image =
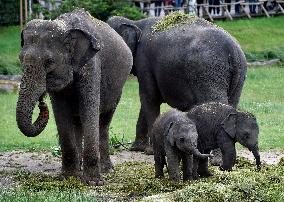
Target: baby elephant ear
[(229, 125), (169, 134), (81, 45)]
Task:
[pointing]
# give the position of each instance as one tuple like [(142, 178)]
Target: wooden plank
[(265, 11), (279, 5), (26, 11), (243, 8), (21, 14)]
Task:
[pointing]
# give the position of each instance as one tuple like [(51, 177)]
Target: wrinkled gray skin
[(182, 66), (83, 64), (175, 137), (221, 126)]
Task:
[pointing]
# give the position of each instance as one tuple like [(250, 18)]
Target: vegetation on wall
[(9, 12), (101, 9)]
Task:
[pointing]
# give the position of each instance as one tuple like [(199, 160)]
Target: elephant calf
[(221, 126), (175, 137)]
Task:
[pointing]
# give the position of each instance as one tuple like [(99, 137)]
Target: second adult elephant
[(183, 65)]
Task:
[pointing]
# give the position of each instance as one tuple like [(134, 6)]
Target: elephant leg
[(160, 161), (187, 163), (195, 164), (229, 155), (173, 161), (203, 167), (150, 109), (141, 140), (79, 138), (66, 130), (105, 119)]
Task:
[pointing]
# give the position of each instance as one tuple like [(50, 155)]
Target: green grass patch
[(9, 50), (242, 184), (262, 95), (260, 38), (135, 180)]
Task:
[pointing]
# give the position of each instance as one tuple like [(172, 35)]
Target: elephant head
[(183, 135), (243, 127), (130, 33), (50, 55)]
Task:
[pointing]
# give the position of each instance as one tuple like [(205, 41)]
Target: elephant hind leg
[(203, 167), (141, 140), (105, 119)]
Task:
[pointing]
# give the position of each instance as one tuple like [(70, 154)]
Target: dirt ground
[(44, 162)]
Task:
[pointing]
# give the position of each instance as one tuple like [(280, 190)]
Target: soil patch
[(45, 162)]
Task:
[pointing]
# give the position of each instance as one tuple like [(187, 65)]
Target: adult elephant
[(83, 64), (181, 64)]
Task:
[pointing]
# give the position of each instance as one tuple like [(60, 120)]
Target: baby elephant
[(175, 136), (221, 126)]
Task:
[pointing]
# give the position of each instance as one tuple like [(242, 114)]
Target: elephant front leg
[(228, 156), (105, 119), (187, 167), (88, 88), (65, 126), (173, 163)]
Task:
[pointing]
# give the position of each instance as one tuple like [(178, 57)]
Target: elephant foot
[(139, 146), (159, 175), (195, 177), (106, 166), (69, 174), (149, 150), (94, 181), (205, 174)]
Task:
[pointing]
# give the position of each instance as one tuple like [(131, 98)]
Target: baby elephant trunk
[(197, 153), (256, 155)]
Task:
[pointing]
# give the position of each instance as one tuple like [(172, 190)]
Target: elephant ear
[(131, 34), (229, 125), (169, 134), (81, 45)]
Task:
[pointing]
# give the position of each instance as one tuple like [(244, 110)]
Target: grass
[(260, 38), (135, 180), (9, 50), (263, 95)]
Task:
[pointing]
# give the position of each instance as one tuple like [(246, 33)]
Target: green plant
[(101, 9)]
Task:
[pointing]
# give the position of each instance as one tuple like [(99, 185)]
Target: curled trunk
[(32, 90)]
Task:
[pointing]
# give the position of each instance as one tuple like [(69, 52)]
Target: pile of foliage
[(101, 9)]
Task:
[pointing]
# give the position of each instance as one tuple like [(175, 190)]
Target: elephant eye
[(49, 62), (181, 139)]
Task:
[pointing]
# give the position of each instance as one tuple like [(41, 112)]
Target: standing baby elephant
[(221, 126), (175, 136), (83, 64)]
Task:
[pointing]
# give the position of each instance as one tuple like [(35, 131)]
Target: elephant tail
[(238, 65)]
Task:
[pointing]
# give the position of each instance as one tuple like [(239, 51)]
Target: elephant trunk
[(255, 152), (32, 90), (197, 153)]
